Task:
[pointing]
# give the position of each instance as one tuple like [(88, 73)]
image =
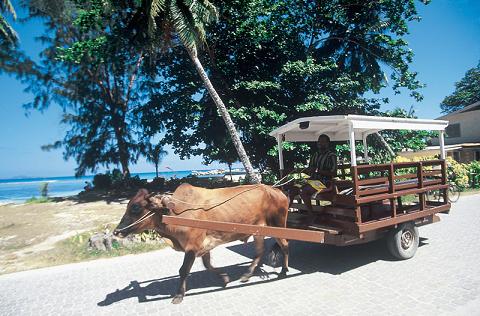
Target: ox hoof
[(283, 273), (245, 278), (177, 299), (225, 279)]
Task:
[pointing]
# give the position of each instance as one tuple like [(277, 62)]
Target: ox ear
[(141, 193), (150, 195)]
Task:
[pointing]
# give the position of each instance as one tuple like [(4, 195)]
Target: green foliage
[(272, 60), (275, 61), (35, 200), (458, 173), (102, 181), (400, 140), (97, 75), (474, 173), (75, 249), (155, 154), (185, 19), (467, 91), (116, 180)]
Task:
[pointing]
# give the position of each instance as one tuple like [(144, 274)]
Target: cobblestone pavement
[(442, 278)]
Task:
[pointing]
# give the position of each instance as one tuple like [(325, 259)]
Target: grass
[(37, 200), (75, 249)]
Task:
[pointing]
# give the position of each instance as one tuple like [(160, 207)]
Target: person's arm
[(310, 170)]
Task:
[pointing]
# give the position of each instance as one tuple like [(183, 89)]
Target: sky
[(446, 43)]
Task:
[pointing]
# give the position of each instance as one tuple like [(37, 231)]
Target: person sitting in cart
[(322, 168)]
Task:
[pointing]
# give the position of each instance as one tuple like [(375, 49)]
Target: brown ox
[(245, 204)]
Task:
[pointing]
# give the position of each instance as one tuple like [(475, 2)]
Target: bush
[(102, 181), (35, 200), (458, 172), (474, 173), (157, 184)]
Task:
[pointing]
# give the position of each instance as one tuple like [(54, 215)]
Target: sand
[(27, 230)]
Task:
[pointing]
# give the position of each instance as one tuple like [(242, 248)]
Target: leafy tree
[(155, 154), (183, 22), (274, 62), (93, 72), (467, 91), (401, 140)]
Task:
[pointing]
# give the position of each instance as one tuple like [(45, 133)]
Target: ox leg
[(220, 273), (259, 248), (184, 271), (283, 243)]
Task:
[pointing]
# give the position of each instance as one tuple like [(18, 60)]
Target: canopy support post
[(353, 154), (280, 154), (442, 144)]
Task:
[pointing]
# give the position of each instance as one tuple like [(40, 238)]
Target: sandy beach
[(30, 233)]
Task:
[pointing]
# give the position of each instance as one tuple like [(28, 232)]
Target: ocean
[(19, 190)]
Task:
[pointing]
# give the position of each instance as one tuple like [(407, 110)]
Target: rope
[(218, 203), (211, 205), (276, 184), (141, 219)]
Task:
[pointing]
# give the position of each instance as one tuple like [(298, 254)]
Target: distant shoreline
[(43, 178), (18, 190)]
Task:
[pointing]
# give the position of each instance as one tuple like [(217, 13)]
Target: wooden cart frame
[(366, 202)]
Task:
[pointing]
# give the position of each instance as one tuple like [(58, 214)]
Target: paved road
[(443, 278)]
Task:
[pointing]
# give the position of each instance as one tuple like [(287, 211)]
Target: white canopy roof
[(337, 126)]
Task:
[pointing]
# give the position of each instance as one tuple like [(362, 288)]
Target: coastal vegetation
[(126, 73), (467, 91)]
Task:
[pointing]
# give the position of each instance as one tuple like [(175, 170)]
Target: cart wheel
[(403, 241), (453, 193)]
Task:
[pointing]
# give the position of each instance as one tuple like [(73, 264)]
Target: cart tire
[(453, 193), (402, 242)]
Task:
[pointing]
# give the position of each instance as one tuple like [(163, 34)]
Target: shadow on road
[(305, 258), (164, 288)]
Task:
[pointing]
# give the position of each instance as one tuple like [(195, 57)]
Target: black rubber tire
[(403, 250), (453, 193)]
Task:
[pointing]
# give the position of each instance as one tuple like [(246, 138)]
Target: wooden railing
[(391, 181)]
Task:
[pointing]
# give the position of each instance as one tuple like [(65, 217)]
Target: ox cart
[(367, 201)]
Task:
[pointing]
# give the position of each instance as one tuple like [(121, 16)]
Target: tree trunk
[(225, 115), (124, 156), (385, 144), (156, 169), (230, 169)]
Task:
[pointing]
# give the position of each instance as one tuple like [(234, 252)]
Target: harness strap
[(141, 219)]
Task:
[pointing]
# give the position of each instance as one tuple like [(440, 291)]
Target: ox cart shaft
[(366, 201)]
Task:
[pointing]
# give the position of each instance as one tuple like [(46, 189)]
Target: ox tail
[(274, 256)]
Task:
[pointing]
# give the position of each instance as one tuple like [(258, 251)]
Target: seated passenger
[(322, 168)]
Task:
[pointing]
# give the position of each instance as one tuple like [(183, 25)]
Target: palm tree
[(155, 155), (7, 33), (187, 20)]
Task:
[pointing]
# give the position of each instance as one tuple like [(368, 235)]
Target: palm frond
[(6, 6), (155, 9), (7, 33), (187, 18)]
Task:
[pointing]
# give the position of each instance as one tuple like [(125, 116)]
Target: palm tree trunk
[(226, 116), (230, 169), (156, 169)]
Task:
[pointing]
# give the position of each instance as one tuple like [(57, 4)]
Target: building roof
[(472, 107), (337, 126), (434, 150)]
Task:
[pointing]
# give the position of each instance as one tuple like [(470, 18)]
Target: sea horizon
[(18, 190)]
